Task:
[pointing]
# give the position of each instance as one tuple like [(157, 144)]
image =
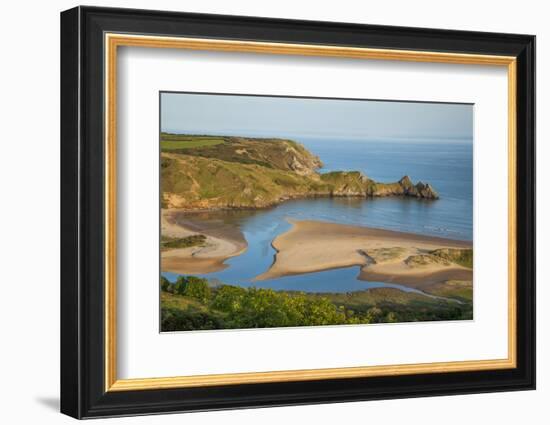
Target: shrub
[(165, 284), (194, 287), (228, 298), (173, 319), (198, 288), (181, 285), (256, 308)]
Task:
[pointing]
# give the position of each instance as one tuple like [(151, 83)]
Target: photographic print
[(292, 211)]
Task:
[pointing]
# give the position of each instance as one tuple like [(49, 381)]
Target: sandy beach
[(383, 255), (221, 243)]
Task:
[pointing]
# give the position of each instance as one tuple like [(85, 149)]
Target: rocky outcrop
[(420, 190), (354, 183), (424, 190)]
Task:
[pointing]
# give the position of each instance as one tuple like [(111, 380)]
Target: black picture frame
[(83, 392)]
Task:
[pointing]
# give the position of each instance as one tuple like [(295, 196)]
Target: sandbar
[(221, 244), (312, 246)]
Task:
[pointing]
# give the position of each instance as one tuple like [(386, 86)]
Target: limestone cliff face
[(420, 190), (253, 173), (425, 191), (354, 183)]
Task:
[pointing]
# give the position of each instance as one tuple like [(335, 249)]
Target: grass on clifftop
[(272, 153), (171, 142)]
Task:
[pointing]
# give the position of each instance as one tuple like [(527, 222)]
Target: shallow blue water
[(446, 165)]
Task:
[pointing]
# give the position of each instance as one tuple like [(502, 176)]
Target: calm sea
[(446, 165)]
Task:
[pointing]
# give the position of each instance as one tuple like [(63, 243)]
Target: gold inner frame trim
[(113, 41)]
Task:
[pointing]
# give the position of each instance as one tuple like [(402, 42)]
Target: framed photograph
[(261, 212)]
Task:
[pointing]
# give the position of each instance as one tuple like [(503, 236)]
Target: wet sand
[(222, 243), (312, 246)]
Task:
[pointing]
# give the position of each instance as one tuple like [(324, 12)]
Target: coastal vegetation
[(464, 257), (167, 242), (215, 172), (445, 256), (191, 303), (458, 289)]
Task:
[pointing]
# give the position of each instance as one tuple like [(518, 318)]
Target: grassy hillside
[(195, 182), (279, 154), (234, 172)]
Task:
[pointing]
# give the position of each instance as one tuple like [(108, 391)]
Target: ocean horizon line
[(297, 137)]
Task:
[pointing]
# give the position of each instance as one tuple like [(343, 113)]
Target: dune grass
[(167, 242), (463, 257)]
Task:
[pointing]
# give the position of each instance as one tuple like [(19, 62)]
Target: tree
[(181, 285), (198, 288), (229, 298), (165, 284)]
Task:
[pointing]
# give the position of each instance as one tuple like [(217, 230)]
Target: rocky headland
[(243, 172)]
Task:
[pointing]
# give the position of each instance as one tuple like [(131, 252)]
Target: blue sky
[(264, 116)]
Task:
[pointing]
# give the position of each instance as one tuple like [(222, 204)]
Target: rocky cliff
[(354, 183)]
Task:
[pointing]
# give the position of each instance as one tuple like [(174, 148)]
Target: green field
[(171, 142)]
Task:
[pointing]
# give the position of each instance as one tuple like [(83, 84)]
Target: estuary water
[(445, 164)]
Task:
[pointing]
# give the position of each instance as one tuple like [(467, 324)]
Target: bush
[(375, 315), (194, 287), (233, 307), (165, 284), (173, 319), (229, 298), (180, 286), (259, 308), (198, 288)]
